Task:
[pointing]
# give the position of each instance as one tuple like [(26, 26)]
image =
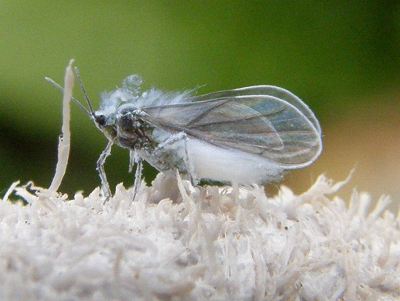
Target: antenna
[(85, 95), (56, 85)]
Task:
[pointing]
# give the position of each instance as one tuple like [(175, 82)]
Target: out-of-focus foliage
[(333, 54)]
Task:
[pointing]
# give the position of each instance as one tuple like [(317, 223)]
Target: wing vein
[(202, 114), (269, 114)]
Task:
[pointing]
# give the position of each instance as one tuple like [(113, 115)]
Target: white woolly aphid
[(207, 156)]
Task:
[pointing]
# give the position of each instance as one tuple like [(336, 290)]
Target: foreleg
[(105, 187)]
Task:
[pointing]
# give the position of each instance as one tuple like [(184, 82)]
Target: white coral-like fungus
[(207, 243)]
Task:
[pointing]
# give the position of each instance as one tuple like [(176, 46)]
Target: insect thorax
[(133, 132)]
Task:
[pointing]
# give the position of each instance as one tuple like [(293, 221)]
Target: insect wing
[(275, 91), (257, 124), (216, 121)]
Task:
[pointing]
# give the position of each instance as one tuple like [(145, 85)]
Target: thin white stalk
[(64, 141)]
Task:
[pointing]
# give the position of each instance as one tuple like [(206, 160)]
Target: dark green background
[(333, 54)]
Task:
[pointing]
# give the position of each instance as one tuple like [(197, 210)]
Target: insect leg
[(138, 178), (134, 158), (171, 140), (105, 187), (181, 136), (192, 177)]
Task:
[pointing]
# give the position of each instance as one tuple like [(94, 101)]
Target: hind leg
[(169, 142)]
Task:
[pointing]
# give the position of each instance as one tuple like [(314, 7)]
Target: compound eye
[(100, 119)]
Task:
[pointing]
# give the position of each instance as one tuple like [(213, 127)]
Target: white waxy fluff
[(204, 244), (230, 165)]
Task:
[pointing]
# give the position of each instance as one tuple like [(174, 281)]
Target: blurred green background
[(340, 57)]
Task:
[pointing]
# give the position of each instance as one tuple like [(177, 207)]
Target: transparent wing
[(268, 91), (257, 124)]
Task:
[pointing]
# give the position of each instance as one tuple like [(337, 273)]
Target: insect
[(249, 135)]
